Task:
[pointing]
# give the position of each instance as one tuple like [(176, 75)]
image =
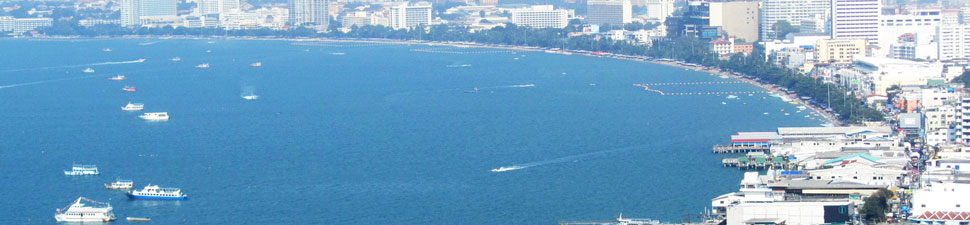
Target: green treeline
[(691, 50)]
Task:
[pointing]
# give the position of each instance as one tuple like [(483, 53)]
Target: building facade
[(738, 19), (839, 51), (954, 42), (129, 13), (792, 11), (309, 13), (613, 12), (157, 8), (659, 9), (856, 19), (404, 16), (540, 16)]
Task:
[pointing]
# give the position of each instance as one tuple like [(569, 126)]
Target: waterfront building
[(488, 2), (722, 47), (613, 12), (6, 23), (881, 73), (839, 51), (93, 22), (792, 11), (856, 172), (769, 200), (854, 19), (156, 8), (21, 25), (405, 16), (738, 19), (941, 203), (309, 13), (130, 15), (540, 16), (659, 10)]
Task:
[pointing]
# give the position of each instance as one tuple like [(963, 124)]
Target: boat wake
[(521, 85), (565, 159), (461, 65), (148, 43), (70, 66)]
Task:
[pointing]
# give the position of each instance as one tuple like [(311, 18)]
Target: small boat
[(208, 51), (106, 49), (475, 90), (120, 184), (88, 70), (133, 106), (202, 66), (140, 60), (129, 88), (503, 169), (153, 192), (176, 59), (139, 219), (79, 170), (155, 116), (256, 64), (250, 97), (119, 77), (81, 211)]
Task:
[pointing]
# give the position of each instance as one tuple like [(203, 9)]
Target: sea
[(366, 133)]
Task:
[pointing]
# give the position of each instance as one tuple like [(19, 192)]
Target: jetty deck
[(754, 162), (739, 149)]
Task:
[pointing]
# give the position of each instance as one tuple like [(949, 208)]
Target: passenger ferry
[(120, 184), (203, 66), (119, 77), (129, 88), (256, 64), (176, 59), (79, 211), (78, 170), (155, 116), (153, 192), (133, 106), (88, 70)]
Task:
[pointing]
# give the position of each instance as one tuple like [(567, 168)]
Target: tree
[(963, 78), (782, 28), (876, 206)]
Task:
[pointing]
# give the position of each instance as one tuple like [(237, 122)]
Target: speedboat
[(155, 116), (202, 66), (256, 64), (176, 59), (250, 97), (139, 219), (78, 170), (119, 77), (106, 49), (140, 60), (81, 211), (129, 88), (120, 184), (133, 106), (88, 70), (153, 192), (503, 169)]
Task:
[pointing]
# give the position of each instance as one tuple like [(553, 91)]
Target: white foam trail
[(69, 66), (522, 85), (558, 160), (148, 43)]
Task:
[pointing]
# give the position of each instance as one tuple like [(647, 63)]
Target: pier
[(739, 149), (755, 160)]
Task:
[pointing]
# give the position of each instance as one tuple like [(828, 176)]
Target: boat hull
[(74, 173), (143, 197), (64, 218)]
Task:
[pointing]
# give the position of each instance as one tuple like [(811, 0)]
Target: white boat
[(256, 64), (106, 49), (153, 192), (250, 97), (176, 59), (140, 60), (88, 70), (78, 170), (202, 66), (503, 169), (155, 116), (133, 106), (85, 210), (121, 184), (119, 77), (139, 219)]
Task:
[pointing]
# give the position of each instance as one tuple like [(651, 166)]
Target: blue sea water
[(364, 133)]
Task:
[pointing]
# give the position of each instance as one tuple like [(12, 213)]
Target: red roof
[(944, 215)]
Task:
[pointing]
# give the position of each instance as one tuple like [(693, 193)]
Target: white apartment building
[(941, 203), (918, 25), (404, 16), (310, 13), (613, 12), (129, 13), (21, 25), (856, 19), (881, 73), (954, 42), (659, 9), (540, 16), (793, 11)]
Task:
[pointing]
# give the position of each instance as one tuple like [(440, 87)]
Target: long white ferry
[(78, 170), (120, 184), (153, 192), (85, 210), (155, 116)]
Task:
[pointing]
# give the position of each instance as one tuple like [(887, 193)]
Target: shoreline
[(770, 88)]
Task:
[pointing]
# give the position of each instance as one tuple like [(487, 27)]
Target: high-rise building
[(738, 19), (791, 11), (226, 6), (6, 23), (540, 16), (917, 26), (404, 16), (208, 7), (613, 12), (156, 8), (839, 51), (487, 2), (954, 42), (659, 9), (856, 19), (309, 13), (129, 13)]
